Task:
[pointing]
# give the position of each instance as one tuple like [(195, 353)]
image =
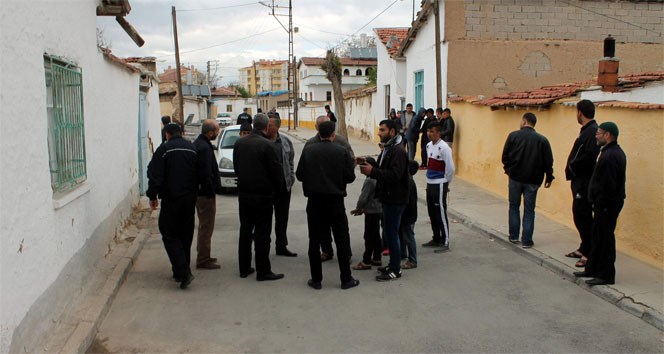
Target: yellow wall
[(478, 144)]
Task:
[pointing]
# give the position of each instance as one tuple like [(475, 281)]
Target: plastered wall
[(480, 137)]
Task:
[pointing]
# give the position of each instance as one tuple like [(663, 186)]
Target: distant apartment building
[(314, 86), (264, 75)]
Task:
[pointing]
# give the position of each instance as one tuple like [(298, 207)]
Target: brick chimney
[(608, 67)]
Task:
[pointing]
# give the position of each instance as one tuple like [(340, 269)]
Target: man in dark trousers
[(282, 196), (259, 175), (579, 169), (325, 169), (243, 117), (424, 139), (606, 192), (327, 252), (392, 177), (173, 176), (447, 124), (209, 186), (527, 158)]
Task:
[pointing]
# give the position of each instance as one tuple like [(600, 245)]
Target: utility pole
[(177, 70), (439, 79), (292, 99)]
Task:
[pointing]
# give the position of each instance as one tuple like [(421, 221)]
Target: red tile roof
[(546, 95), (170, 75), (344, 61), (224, 91), (391, 38), (360, 91)]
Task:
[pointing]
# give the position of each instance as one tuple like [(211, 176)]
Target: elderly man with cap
[(173, 176), (606, 192)]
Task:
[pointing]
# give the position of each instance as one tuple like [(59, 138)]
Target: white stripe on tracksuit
[(443, 217)]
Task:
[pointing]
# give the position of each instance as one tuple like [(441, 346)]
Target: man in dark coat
[(579, 169), (209, 186), (527, 158), (259, 175), (325, 169), (173, 176), (606, 192)]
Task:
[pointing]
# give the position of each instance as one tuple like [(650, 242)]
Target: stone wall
[(583, 20)]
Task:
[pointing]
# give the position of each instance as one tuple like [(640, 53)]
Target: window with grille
[(66, 130)]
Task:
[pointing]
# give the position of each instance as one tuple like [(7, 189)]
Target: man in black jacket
[(243, 117), (325, 169), (579, 169), (391, 175), (447, 122), (606, 192), (259, 175), (210, 185), (527, 157), (173, 176)]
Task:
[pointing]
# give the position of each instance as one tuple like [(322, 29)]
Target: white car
[(224, 119), (225, 145)]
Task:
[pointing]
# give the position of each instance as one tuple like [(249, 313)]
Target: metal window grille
[(66, 139)]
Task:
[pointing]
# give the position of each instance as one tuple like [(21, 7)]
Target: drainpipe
[(439, 84)]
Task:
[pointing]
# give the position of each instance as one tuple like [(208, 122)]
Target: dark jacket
[(582, 158), (325, 169), (447, 132), (242, 118), (338, 139), (210, 184), (409, 215), (256, 164), (425, 126), (391, 174), (367, 200), (607, 184), (527, 157), (332, 117), (174, 171), (413, 132)]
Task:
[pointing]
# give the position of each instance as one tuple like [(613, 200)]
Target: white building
[(76, 131), (391, 78), (419, 49), (314, 86)]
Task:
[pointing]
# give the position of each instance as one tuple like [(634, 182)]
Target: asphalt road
[(479, 297)]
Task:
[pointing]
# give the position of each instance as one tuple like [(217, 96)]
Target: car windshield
[(229, 139), (223, 115)]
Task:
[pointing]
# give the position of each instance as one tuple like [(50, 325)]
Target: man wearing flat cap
[(173, 176), (606, 192)]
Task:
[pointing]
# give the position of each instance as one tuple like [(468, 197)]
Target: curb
[(98, 305), (608, 293)]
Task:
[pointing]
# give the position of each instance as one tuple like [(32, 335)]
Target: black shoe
[(186, 281), (431, 244), (285, 252), (515, 241), (350, 284), (383, 270), (583, 274), (441, 249), (326, 256), (269, 276), (598, 281), (250, 272), (391, 275), (528, 245), (314, 284), (177, 279)]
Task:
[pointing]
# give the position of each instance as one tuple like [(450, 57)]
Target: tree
[(332, 68), (372, 76), (355, 41)]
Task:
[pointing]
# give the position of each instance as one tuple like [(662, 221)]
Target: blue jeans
[(412, 147), (529, 192), (391, 222), (407, 234)]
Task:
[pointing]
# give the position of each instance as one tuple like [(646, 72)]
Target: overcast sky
[(235, 32)]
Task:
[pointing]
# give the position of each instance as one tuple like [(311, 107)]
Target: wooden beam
[(110, 10), (130, 31)]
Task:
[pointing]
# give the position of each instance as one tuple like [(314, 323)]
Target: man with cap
[(579, 169), (606, 192), (173, 176)]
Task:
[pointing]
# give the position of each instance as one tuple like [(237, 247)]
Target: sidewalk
[(639, 287)]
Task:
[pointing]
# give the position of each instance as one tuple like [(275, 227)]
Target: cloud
[(239, 34)]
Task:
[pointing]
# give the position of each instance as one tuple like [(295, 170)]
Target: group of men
[(596, 168)]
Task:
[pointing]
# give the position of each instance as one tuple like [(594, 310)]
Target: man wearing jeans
[(391, 175), (527, 157)]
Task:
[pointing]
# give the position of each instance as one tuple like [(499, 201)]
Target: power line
[(375, 17), (221, 44), (317, 30), (219, 8), (306, 39)]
